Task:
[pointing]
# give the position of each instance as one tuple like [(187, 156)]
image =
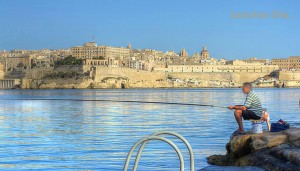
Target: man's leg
[(238, 118)]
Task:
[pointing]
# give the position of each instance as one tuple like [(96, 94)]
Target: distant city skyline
[(161, 25)]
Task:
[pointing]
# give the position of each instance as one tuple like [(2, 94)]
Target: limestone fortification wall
[(102, 72), (39, 73), (289, 75), (115, 77), (1, 74), (230, 76), (110, 77), (1, 71), (292, 83), (130, 74), (27, 73)]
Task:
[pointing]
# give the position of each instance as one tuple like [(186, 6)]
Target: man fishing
[(252, 108)]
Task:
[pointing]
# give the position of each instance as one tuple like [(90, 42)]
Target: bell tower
[(129, 46), (204, 53)]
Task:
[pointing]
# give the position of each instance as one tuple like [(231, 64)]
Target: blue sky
[(154, 24)]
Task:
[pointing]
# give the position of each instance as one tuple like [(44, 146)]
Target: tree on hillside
[(100, 57), (20, 65), (69, 60)]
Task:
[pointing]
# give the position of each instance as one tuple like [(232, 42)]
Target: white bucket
[(257, 127)]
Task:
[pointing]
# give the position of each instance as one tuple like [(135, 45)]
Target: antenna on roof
[(93, 38)]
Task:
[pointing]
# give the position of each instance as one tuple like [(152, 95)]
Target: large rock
[(293, 134), (265, 140), (230, 168), (239, 146), (278, 151), (245, 144)]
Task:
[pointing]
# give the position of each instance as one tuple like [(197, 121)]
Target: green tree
[(69, 60), (20, 65)]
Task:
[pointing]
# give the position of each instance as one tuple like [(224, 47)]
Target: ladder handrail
[(192, 165), (154, 138)]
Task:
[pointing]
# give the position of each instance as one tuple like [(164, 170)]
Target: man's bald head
[(247, 87)]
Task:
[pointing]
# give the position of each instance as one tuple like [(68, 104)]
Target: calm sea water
[(68, 135)]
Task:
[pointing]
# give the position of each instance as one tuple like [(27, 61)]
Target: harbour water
[(85, 135)]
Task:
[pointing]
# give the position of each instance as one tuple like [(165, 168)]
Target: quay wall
[(213, 76), (1, 71), (291, 83), (102, 72), (9, 83), (99, 73), (39, 73), (289, 75), (116, 77)]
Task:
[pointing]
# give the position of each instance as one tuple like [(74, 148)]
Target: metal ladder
[(159, 136)]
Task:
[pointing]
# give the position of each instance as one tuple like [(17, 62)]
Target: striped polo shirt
[(253, 103)]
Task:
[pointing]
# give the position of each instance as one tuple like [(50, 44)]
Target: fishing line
[(124, 101)]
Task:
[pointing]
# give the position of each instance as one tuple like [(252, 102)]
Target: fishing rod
[(124, 101)]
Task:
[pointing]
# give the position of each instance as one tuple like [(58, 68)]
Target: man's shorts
[(248, 114)]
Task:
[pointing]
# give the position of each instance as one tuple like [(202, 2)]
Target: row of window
[(229, 71), (286, 61), (218, 68), (97, 63)]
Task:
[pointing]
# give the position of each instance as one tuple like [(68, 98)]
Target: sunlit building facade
[(290, 63), (90, 50)]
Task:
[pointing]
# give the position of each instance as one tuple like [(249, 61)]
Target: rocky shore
[(278, 151)]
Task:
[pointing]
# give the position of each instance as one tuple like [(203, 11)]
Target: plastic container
[(257, 127)]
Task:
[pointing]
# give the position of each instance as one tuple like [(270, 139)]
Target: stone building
[(22, 62), (290, 63), (92, 62), (111, 62), (146, 54), (204, 54), (129, 46), (90, 50), (40, 61), (3, 54), (27, 62), (141, 65), (183, 53), (17, 52), (196, 55), (255, 60), (171, 53), (1, 70), (235, 67)]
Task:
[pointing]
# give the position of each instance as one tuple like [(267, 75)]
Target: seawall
[(289, 75), (116, 77), (230, 76)]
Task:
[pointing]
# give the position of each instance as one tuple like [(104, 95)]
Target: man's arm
[(247, 104), (237, 107)]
